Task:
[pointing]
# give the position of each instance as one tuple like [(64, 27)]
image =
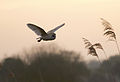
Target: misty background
[(53, 64), (82, 18)]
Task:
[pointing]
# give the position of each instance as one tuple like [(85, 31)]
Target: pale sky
[(82, 18)]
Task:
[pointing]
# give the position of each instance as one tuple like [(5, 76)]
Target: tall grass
[(109, 32), (99, 46), (92, 51)]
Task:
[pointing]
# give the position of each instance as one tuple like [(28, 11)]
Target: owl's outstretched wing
[(39, 31), (55, 29)]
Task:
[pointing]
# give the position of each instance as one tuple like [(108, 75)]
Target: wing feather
[(39, 31), (55, 29)]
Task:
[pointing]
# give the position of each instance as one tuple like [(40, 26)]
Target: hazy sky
[(82, 18)]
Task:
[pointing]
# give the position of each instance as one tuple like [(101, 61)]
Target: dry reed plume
[(99, 46), (91, 49), (109, 32)]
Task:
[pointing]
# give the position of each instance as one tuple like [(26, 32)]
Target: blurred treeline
[(57, 65)]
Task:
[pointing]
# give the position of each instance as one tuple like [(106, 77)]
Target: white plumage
[(50, 35)]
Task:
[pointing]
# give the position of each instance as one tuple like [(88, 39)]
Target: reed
[(109, 33), (92, 51)]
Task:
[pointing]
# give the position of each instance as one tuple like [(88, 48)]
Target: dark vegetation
[(42, 66), (60, 66)]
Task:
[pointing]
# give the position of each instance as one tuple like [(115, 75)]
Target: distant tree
[(64, 66)]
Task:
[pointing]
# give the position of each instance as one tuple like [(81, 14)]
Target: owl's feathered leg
[(39, 39)]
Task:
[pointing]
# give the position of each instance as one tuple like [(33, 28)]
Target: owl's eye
[(53, 35)]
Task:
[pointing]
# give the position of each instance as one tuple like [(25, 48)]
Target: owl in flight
[(46, 36)]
